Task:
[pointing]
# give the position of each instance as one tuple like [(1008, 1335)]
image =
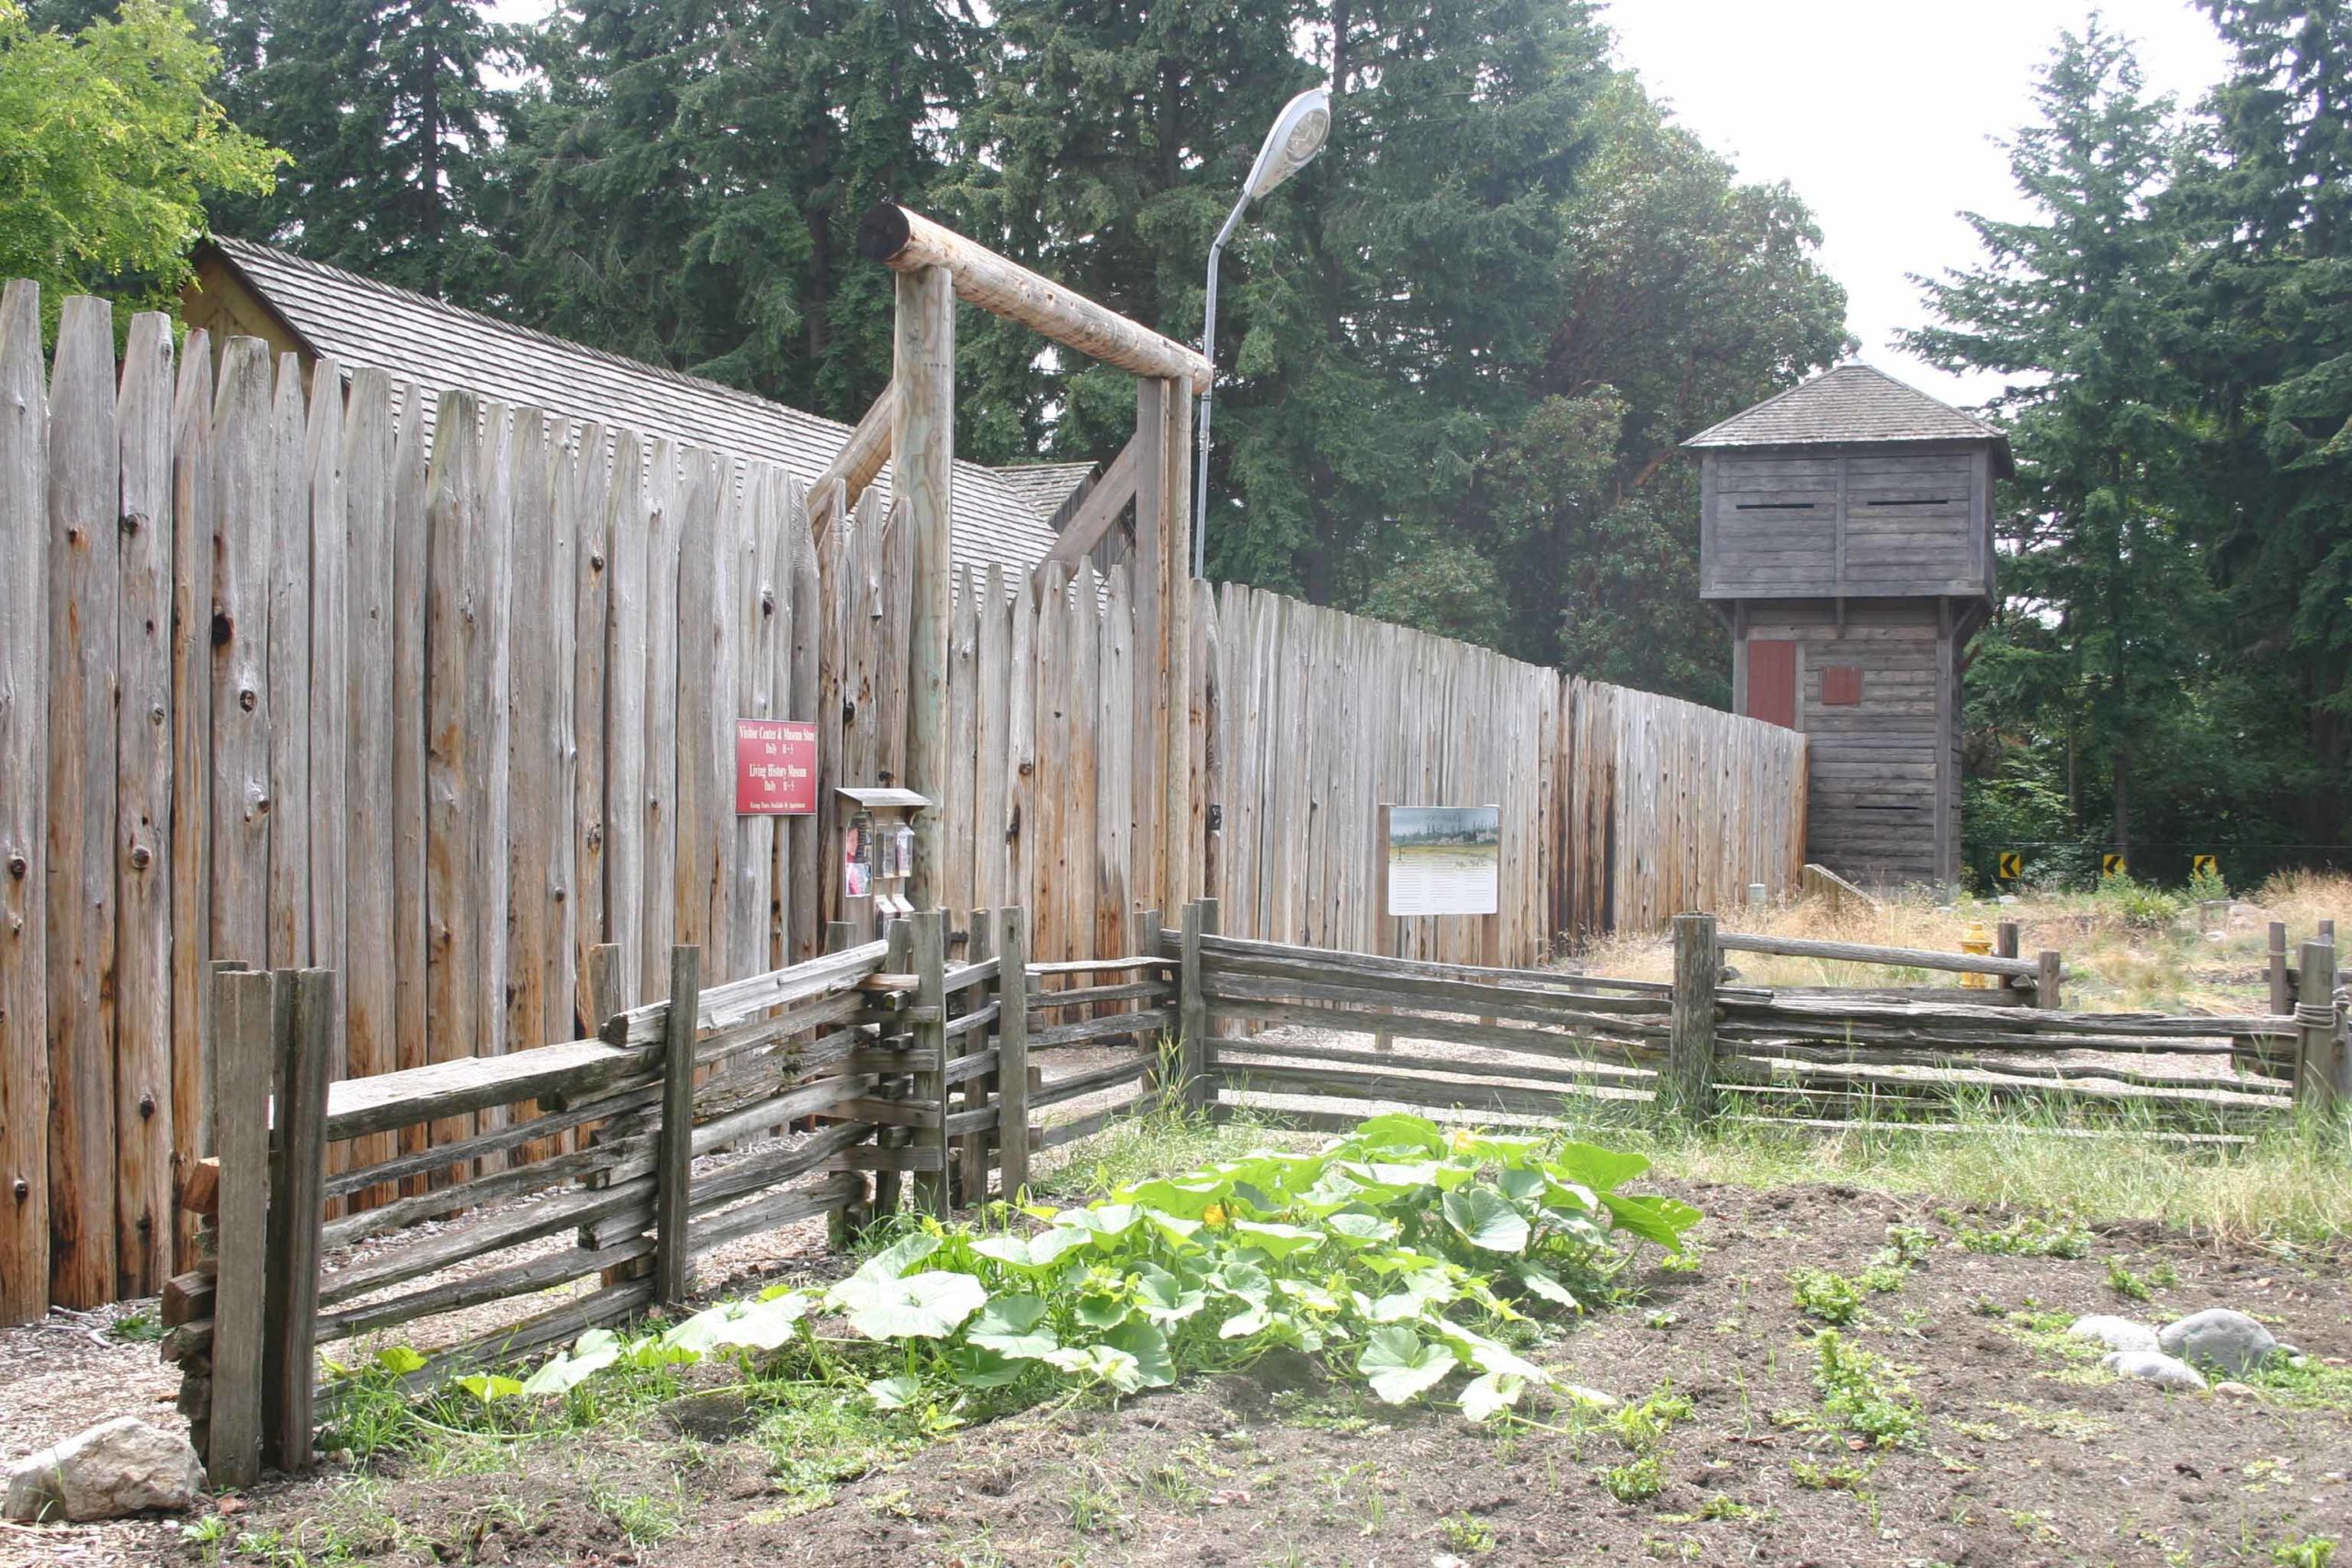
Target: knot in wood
[(142, 856), (22, 1188), (246, 698), (221, 628), (17, 867), (146, 1105), (132, 522)]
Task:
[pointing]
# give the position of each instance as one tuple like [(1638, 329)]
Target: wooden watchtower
[(1846, 531)]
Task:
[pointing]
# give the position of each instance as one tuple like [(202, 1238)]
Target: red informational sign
[(776, 768)]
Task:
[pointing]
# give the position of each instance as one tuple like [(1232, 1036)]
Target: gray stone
[(2246, 1392), (2115, 1333), (119, 1467), (2218, 1337), (2154, 1366)]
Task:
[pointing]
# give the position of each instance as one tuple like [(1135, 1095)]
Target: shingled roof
[(361, 322), (1853, 404)]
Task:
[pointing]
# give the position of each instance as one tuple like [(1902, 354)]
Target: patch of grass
[(2125, 1283), (1721, 1507), (1642, 1426), (817, 1438), (2315, 1385), (1166, 1138), (2305, 1551), (2059, 1423), (1862, 1391), (647, 1519), (140, 1327), (2291, 1186)]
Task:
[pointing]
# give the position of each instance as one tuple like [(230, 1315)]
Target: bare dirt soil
[(2028, 1458)]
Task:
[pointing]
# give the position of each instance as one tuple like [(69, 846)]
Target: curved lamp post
[(1297, 134)]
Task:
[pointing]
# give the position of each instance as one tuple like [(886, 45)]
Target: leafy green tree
[(690, 176), (2266, 297), (110, 143), (2100, 645)]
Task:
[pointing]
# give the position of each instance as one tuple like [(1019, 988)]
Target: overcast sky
[(1883, 114)]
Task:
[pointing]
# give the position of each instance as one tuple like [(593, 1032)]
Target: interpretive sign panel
[(776, 768), (1445, 860)]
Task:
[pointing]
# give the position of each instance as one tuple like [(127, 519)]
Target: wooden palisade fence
[(324, 670)]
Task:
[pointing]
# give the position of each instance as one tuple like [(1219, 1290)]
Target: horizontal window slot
[(1775, 506), (1913, 501)]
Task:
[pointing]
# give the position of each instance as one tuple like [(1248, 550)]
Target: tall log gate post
[(673, 1164), (1194, 1022), (2321, 1085), (1013, 1052), (937, 266), (1688, 1086)]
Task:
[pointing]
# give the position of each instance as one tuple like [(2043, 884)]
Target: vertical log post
[(929, 1058), (2282, 991), (304, 1050), (922, 448), (2049, 969), (842, 1225), (2318, 1074), (241, 1018), (2006, 937), (673, 1164), (1193, 1016), (891, 1186), (979, 1088), (1688, 1086), (1013, 1052), (1384, 924)]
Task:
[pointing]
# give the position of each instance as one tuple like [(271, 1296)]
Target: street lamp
[(1297, 134)]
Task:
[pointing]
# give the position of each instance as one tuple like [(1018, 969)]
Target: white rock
[(119, 1467), (2218, 1337), (2115, 1333), (2154, 1366)]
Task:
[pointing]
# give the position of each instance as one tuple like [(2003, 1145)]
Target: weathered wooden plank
[(539, 716), (584, 486), (24, 799), (243, 1017), (929, 1056), (706, 685), (191, 748), (1013, 1052), (287, 510), (296, 1185), (327, 682), (629, 585), (370, 975), (674, 1160), (658, 518), (922, 448), (456, 1086), (242, 803), (961, 759), (143, 764), (84, 553), (806, 842), (409, 937)]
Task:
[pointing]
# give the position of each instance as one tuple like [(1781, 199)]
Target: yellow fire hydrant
[(1979, 941)]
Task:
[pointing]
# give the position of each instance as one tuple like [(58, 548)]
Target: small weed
[(1831, 1298), (1863, 1393), (1907, 1246), (645, 1519), (1643, 1427), (1828, 1478), (1637, 1480), (136, 1328), (2305, 1551), (2125, 1283), (2029, 1235), (2071, 1424), (1466, 1533), (1721, 1507), (2315, 1385)]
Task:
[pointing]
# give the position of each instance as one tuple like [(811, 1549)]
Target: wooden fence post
[(1688, 1086), (2318, 1074), (674, 1165), (1193, 1009), (2050, 970), (1013, 1052), (304, 1049), (842, 1225), (979, 1090), (891, 1186), (2282, 994), (929, 1057), (242, 1020)]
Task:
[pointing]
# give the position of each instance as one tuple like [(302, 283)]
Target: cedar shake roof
[(416, 338), (1053, 489), (1851, 405)]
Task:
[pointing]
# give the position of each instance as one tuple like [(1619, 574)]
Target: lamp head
[(1297, 134)]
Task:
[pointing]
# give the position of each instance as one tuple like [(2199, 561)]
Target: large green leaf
[(1542, 1283), (1599, 1168), (754, 1325), (1103, 1364), (1661, 1219), (1164, 1298), (920, 1306), (1398, 1131), (1491, 1393), (1356, 1229), (1275, 1240), (1401, 1365), (1013, 1327), (1148, 1345), (1040, 1251), (1486, 1220)]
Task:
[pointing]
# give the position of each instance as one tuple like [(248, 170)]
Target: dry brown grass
[(2123, 952)]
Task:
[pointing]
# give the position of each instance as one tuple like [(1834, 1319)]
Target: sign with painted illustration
[(1445, 860)]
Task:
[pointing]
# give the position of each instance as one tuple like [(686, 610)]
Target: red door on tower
[(1772, 681)]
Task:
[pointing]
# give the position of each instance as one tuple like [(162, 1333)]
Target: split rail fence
[(821, 1088), (309, 667)]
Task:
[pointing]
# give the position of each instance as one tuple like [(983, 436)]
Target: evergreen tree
[(2267, 338), (385, 109), (2098, 648), (691, 178)]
